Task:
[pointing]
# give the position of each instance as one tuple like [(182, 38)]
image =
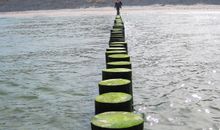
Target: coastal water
[(50, 67)]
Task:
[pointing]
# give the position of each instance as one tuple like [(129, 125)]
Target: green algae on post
[(119, 64), (120, 39), (125, 45), (117, 120), (114, 82), (115, 85), (115, 52), (118, 19), (118, 57), (113, 101), (115, 73), (117, 29), (118, 43), (107, 53), (117, 70), (116, 49), (117, 35), (117, 24), (118, 16), (113, 97)]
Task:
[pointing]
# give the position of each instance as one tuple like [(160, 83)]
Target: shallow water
[(50, 67)]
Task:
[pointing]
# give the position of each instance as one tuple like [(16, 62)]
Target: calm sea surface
[(50, 67)]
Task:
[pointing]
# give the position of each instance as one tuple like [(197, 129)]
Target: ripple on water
[(45, 89), (171, 71), (3, 93), (50, 68), (28, 97)]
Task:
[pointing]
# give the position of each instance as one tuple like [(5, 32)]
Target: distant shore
[(111, 10)]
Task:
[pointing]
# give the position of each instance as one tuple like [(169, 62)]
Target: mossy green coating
[(119, 63), (114, 82), (113, 43), (116, 39), (117, 120), (113, 97), (117, 30), (117, 45), (121, 27), (118, 24), (118, 16), (119, 56), (116, 48), (118, 20), (114, 52), (117, 35), (117, 70)]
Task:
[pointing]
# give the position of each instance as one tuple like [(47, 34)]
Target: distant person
[(118, 5)]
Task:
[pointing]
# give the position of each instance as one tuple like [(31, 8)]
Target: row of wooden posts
[(114, 106)]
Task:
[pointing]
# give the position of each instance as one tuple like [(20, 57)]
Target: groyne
[(114, 106)]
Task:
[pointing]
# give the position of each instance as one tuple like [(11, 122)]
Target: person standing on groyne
[(118, 5)]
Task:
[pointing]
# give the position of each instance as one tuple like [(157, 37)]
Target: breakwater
[(170, 68), (114, 106)]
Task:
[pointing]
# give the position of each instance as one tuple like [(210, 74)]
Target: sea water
[(50, 67)]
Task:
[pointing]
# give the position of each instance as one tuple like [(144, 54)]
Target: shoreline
[(111, 10)]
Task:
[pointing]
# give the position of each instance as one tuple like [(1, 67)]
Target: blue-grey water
[(50, 67)]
